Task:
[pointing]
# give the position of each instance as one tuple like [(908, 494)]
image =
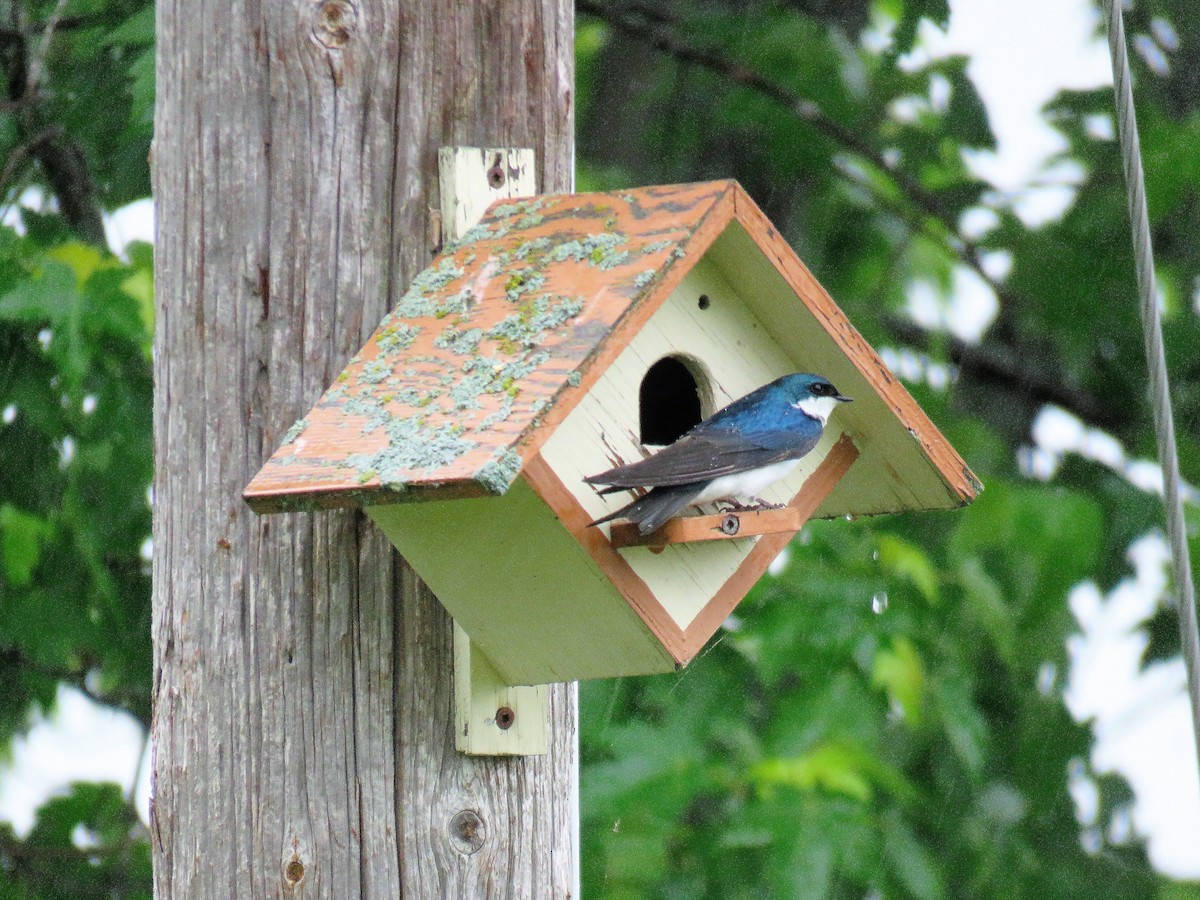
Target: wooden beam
[(303, 691), (740, 524), (490, 717)]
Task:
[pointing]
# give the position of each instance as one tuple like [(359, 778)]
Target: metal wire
[(1164, 426)]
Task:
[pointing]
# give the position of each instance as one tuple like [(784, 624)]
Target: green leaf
[(46, 298), (21, 539), (834, 766), (908, 561), (909, 860), (899, 671)]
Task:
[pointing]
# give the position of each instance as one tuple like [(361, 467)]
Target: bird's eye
[(821, 389)]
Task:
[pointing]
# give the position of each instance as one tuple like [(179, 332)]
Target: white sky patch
[(1023, 52), (134, 222), (1057, 432), (969, 308), (80, 741), (1141, 719)]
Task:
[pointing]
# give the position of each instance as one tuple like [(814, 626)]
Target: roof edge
[(952, 468)]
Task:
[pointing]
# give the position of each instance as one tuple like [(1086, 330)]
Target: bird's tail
[(651, 511)]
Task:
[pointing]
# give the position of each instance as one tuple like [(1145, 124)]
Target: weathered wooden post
[(304, 694)]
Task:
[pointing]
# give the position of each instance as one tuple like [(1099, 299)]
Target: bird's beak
[(843, 399)]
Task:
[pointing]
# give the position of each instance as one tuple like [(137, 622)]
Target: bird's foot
[(755, 504), (767, 504)]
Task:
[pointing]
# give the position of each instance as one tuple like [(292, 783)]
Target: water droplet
[(879, 603), (1047, 677)]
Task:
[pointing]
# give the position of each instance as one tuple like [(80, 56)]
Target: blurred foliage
[(76, 110), (883, 717), (819, 748)]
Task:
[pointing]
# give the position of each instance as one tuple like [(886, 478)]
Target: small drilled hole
[(495, 176), (703, 302)]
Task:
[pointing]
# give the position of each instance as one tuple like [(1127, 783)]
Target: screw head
[(505, 718), (731, 524)]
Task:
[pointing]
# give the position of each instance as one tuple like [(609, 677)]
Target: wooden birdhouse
[(567, 333)]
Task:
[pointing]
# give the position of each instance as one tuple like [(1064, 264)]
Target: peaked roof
[(499, 338)]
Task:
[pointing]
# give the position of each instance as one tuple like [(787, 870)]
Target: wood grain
[(303, 696), (720, 527)]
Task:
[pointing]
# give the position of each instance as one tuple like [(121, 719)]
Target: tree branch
[(38, 63), (641, 21), (993, 362), (61, 157), (75, 677)]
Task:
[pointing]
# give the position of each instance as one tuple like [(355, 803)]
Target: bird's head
[(813, 394)]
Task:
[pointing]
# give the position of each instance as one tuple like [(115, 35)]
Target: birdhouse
[(564, 335)]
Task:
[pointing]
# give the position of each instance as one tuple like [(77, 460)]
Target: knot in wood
[(467, 832), (334, 23), (293, 872)]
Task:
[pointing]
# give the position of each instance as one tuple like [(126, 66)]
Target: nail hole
[(704, 302), (496, 176)]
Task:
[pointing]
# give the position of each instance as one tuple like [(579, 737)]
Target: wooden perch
[(745, 523)]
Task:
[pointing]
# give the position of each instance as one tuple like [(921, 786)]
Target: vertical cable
[(1164, 426)]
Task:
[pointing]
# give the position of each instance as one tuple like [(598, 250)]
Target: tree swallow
[(736, 452)]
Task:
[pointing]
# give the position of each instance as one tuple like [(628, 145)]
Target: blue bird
[(736, 452)]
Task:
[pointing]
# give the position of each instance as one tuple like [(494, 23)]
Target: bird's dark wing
[(652, 510), (703, 457)]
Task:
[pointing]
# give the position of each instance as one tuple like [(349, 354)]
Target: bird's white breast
[(747, 484)]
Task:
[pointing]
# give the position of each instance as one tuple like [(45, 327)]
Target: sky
[(1023, 52)]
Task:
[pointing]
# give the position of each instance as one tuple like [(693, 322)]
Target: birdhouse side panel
[(522, 588), (905, 459), (730, 354)]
